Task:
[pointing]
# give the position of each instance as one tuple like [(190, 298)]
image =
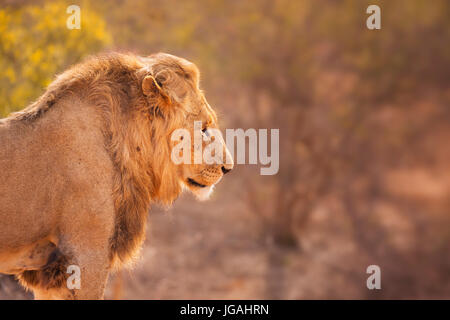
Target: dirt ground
[(212, 250), (217, 250)]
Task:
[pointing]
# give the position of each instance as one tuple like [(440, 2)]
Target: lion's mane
[(135, 137)]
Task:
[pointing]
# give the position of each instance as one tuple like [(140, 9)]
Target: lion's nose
[(225, 170)]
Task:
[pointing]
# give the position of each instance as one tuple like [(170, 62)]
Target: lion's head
[(180, 109), (145, 100)]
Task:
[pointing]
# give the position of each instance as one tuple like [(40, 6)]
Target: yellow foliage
[(35, 44)]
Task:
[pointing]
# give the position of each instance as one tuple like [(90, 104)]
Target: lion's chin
[(200, 194), (203, 194)]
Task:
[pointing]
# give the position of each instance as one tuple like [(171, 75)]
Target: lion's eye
[(205, 132)]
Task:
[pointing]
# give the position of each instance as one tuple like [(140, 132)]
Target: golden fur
[(81, 165)]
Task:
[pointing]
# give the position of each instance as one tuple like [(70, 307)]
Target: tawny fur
[(135, 129), (52, 275)]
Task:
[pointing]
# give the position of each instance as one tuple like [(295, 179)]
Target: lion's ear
[(150, 87), (154, 92), (158, 99)]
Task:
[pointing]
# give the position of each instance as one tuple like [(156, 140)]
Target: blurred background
[(364, 119)]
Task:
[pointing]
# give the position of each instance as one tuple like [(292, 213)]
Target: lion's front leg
[(88, 271), (90, 290), (88, 279), (52, 294), (76, 272), (79, 266), (86, 230)]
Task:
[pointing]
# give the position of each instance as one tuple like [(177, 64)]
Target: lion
[(80, 167)]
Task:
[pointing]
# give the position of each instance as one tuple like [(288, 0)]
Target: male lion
[(80, 166)]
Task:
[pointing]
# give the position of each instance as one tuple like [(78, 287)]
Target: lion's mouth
[(194, 183)]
